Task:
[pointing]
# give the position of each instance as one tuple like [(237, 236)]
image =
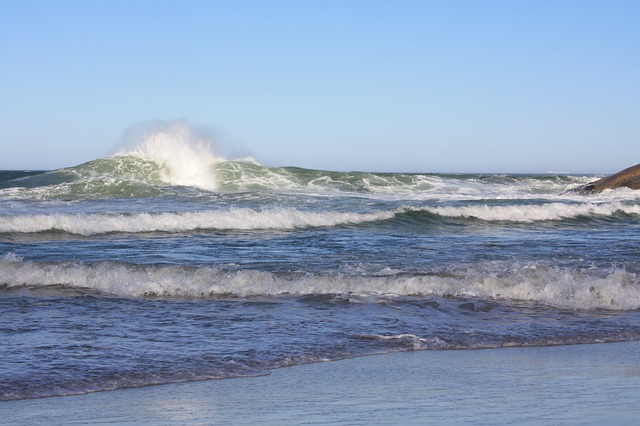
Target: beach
[(572, 384)]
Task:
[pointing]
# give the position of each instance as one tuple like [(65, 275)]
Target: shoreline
[(575, 384)]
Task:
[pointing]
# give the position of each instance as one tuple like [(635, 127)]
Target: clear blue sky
[(416, 86)]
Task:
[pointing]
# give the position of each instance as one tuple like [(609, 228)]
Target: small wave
[(561, 287), (233, 219), (88, 224), (535, 212), (412, 341)]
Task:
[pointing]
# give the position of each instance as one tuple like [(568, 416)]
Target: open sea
[(164, 264)]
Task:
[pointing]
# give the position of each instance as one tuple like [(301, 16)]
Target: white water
[(233, 219), (560, 287), (286, 218), (186, 157), (533, 213)]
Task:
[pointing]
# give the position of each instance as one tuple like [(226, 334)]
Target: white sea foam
[(287, 218), (562, 287), (233, 219), (184, 155), (536, 212), (416, 342)]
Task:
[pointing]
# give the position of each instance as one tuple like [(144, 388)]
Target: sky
[(406, 86)]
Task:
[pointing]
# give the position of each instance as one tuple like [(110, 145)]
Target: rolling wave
[(560, 287), (285, 218), (537, 212), (234, 219)]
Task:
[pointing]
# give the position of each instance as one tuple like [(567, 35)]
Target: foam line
[(234, 219), (563, 287)]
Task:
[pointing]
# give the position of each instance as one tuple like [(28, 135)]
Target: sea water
[(164, 263)]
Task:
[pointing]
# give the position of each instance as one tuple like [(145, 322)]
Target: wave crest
[(184, 156), (233, 219), (288, 218), (526, 213), (560, 287)]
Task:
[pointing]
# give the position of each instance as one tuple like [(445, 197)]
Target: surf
[(173, 222), (529, 213), (291, 218), (184, 156), (159, 158), (613, 288), (177, 160)]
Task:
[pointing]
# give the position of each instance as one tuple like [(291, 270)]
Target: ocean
[(165, 264)]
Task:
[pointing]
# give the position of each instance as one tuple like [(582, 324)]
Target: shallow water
[(570, 385)]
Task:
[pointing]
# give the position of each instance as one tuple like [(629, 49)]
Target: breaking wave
[(159, 159), (183, 156), (537, 212), (289, 218), (233, 219), (561, 287), (143, 173)]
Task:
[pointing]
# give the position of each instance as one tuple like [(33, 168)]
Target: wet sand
[(582, 384)]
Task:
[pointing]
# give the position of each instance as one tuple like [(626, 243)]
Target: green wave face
[(119, 176), (249, 176), (132, 176)]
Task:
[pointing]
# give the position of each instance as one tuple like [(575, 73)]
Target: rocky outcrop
[(628, 178)]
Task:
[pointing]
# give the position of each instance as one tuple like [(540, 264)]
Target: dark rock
[(627, 178)]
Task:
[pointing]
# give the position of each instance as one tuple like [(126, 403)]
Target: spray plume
[(184, 154)]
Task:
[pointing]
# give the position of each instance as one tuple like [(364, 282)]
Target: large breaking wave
[(159, 160)]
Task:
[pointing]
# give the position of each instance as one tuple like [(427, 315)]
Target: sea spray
[(184, 155)]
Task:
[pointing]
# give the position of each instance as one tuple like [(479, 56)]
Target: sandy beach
[(582, 384)]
